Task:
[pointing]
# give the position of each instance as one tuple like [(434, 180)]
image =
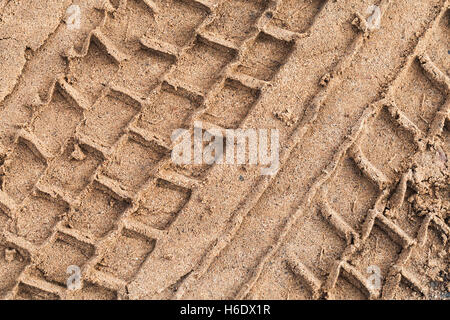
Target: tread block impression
[(346, 290), (169, 109), (265, 57), (143, 68), (126, 256), (162, 204), (38, 216), (142, 71), (378, 250), (418, 97), (175, 22), (406, 217), (109, 116), (71, 172), (56, 122), (201, 65), (128, 24), (11, 265), (65, 251), (405, 291), (132, 165), (235, 19), (28, 292), (280, 281), (90, 74), (229, 107), (387, 145), (97, 212), (193, 171), (323, 244), (22, 171), (439, 51), (91, 291), (297, 15), (432, 266), (351, 194)]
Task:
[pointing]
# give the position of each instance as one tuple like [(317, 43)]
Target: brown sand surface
[(87, 179)]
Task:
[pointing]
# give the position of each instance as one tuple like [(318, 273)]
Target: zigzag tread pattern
[(86, 177)]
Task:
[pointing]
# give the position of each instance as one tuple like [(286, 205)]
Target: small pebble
[(78, 154), (9, 254)]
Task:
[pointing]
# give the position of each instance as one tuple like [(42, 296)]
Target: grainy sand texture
[(91, 200)]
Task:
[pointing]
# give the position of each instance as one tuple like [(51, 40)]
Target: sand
[(91, 92)]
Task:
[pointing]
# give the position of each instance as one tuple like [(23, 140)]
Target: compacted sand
[(91, 91)]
